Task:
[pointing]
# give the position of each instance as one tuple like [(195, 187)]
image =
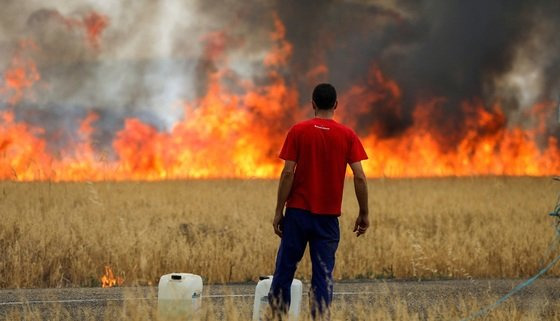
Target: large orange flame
[(486, 149), (239, 133), (486, 146)]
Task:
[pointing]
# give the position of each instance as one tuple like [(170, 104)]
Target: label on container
[(196, 300)]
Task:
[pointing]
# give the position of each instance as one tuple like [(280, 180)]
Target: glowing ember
[(109, 280)]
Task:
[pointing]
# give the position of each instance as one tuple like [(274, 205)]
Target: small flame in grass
[(108, 280)]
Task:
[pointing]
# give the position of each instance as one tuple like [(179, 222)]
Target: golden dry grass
[(62, 234)]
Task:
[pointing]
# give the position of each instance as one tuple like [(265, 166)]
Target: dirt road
[(543, 295)]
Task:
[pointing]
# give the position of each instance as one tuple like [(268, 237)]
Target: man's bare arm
[(360, 187), (284, 188)]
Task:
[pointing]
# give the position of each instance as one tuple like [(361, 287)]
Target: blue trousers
[(322, 232)]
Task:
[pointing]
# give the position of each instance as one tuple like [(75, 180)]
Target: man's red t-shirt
[(321, 149)]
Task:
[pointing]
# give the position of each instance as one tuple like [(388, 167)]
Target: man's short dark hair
[(324, 96)]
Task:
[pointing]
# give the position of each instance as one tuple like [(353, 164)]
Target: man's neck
[(324, 114)]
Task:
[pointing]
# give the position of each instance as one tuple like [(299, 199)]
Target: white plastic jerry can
[(261, 298), (179, 295)]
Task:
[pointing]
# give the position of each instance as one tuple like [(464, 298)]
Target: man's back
[(321, 148)]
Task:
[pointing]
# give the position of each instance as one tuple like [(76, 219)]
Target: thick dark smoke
[(460, 50), (476, 49), (154, 55)]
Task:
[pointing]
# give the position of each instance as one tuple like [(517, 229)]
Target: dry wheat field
[(64, 234)]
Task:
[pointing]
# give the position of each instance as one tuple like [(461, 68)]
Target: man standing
[(316, 153)]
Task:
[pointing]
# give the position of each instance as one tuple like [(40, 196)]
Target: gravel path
[(418, 295)]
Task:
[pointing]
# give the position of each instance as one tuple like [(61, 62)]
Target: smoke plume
[(144, 59)]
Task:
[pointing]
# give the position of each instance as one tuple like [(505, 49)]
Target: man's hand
[(360, 187), (284, 188), (277, 223), (362, 224)]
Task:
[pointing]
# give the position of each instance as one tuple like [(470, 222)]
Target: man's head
[(324, 97)]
